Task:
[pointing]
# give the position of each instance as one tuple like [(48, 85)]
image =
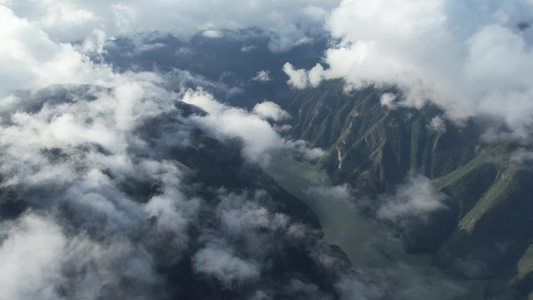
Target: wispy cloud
[(415, 199), (259, 137)]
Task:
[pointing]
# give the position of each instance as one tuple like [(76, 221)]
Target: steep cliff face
[(484, 229), (373, 145)]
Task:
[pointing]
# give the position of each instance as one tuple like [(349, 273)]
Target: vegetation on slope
[(486, 232)]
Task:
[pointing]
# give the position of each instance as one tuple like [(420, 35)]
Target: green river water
[(371, 246)]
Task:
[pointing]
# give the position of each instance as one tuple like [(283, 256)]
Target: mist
[(133, 140)]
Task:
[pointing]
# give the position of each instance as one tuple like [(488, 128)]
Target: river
[(371, 246)]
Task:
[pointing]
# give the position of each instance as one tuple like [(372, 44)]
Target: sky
[(77, 135)]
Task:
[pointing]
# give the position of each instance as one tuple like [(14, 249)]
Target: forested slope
[(484, 230)]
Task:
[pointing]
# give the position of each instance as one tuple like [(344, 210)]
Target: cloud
[(102, 268), (262, 76), (521, 155), (30, 252), (297, 78), (213, 34), (270, 110), (75, 153), (258, 136), (237, 249), (225, 121), (437, 124), (342, 193), (247, 48), (306, 290), (82, 149), (171, 209), (31, 59), (41, 261), (225, 266), (469, 58), (117, 209), (414, 199), (109, 208), (315, 75), (301, 79), (287, 23), (388, 99)]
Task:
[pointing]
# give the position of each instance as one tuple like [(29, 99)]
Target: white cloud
[(225, 121), (469, 58), (173, 211), (297, 77), (241, 215), (437, 124), (72, 148), (35, 254), (213, 34), (219, 261), (270, 110), (96, 269), (341, 193), (258, 135), (247, 48), (288, 22), (388, 99), (79, 154), (31, 59), (521, 155), (315, 75), (416, 198), (262, 76), (30, 256)]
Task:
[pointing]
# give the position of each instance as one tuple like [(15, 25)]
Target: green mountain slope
[(486, 229)]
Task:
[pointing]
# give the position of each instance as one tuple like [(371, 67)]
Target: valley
[(479, 229), (371, 246)]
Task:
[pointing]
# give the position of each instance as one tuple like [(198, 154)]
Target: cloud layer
[(288, 22), (105, 190), (257, 134), (469, 58), (113, 198), (110, 186), (30, 58)]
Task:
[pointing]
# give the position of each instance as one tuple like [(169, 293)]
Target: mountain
[(152, 202), (175, 214), (483, 230), (228, 67)]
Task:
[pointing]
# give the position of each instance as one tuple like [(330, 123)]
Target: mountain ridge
[(375, 148)]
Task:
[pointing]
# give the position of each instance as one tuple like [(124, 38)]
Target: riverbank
[(365, 241)]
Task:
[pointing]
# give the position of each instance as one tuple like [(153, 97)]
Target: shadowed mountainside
[(483, 231)]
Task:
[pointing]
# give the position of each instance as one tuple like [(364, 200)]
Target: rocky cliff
[(484, 228)]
